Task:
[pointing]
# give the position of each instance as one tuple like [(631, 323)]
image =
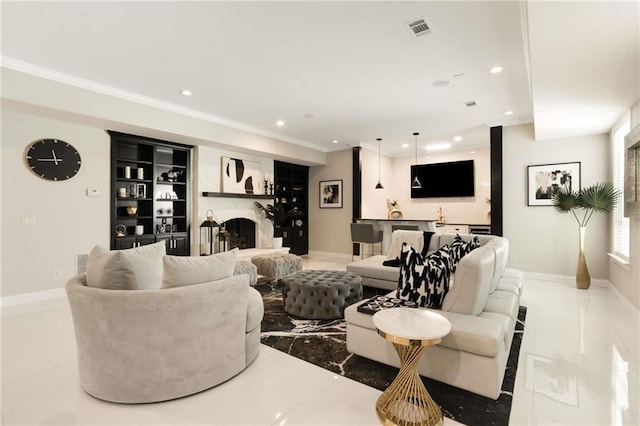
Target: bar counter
[(385, 225)]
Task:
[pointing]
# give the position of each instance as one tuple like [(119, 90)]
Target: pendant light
[(379, 185), (415, 184)]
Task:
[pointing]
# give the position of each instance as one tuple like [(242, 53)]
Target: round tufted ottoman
[(315, 294)]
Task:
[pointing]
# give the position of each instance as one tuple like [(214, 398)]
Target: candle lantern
[(208, 229)]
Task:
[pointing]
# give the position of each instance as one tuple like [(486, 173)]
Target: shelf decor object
[(331, 194)]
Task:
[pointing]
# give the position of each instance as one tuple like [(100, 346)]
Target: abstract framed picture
[(240, 176), (543, 180), (331, 194)]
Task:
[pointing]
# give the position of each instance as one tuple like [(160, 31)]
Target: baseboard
[(595, 282), (628, 306), (36, 296), (331, 255)]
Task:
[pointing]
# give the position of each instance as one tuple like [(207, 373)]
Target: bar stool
[(366, 233)]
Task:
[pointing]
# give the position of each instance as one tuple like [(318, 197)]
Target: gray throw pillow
[(182, 270), (138, 268)]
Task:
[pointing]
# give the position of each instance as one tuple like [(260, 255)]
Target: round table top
[(411, 323)]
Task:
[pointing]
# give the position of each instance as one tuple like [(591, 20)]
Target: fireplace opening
[(242, 233)]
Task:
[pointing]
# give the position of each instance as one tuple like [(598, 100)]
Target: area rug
[(323, 343)]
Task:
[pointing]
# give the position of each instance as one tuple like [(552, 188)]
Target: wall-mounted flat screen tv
[(450, 179)]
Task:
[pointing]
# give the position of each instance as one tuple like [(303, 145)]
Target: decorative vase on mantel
[(583, 279), (276, 243)]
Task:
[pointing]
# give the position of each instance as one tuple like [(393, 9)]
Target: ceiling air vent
[(418, 27), (470, 104)]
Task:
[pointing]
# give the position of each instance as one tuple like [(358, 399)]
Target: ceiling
[(349, 71)]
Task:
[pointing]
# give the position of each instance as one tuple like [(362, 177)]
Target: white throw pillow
[(138, 268), (414, 238), (182, 271)]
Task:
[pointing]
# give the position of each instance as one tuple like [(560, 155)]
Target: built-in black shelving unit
[(292, 192), (153, 177)]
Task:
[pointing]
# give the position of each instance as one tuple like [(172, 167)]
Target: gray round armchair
[(137, 346)]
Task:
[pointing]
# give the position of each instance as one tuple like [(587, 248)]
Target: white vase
[(277, 242)]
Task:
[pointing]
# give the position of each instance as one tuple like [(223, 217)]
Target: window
[(620, 223)]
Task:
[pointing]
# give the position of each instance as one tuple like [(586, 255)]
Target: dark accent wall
[(357, 182), (356, 170), (496, 180)]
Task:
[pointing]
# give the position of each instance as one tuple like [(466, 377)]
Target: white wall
[(541, 239), (68, 222), (374, 204), (329, 229), (209, 174), (627, 277)]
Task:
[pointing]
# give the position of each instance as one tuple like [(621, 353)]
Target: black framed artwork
[(543, 180), (331, 194)]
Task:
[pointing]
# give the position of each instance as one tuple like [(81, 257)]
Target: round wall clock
[(53, 159)]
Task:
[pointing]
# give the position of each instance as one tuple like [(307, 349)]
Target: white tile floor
[(578, 365)]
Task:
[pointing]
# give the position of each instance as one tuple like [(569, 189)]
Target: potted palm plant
[(598, 198), (278, 216)]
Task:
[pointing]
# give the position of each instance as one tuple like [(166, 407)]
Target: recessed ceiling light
[(335, 141), (186, 92), (428, 157), (279, 123), (495, 70), (405, 145), (438, 146), (474, 152), (508, 113), (457, 138), (440, 83)]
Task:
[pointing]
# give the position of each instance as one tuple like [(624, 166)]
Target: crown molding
[(49, 74)]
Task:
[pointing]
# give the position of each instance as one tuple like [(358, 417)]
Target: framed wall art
[(240, 176), (331, 194), (543, 180)]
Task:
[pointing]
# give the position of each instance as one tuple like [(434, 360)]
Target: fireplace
[(242, 233)]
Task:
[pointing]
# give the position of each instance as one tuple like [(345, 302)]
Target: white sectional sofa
[(482, 306)]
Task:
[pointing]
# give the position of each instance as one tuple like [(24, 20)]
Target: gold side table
[(406, 401)]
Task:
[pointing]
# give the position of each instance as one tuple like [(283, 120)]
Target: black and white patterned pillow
[(424, 281), (460, 248), (410, 261)]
